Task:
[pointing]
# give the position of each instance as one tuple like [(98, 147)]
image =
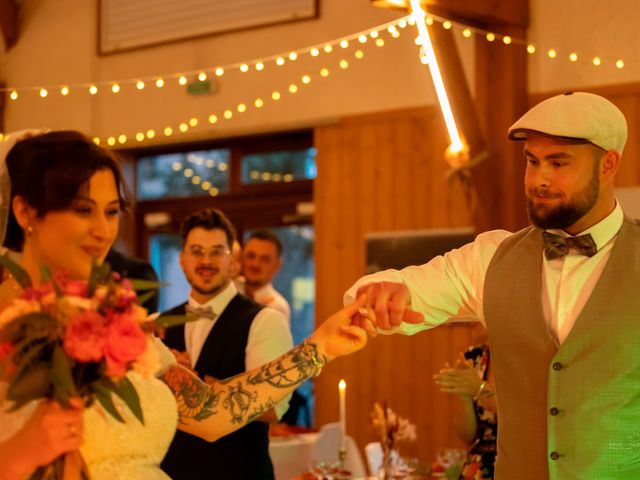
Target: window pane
[(281, 166), (164, 251), (188, 174)]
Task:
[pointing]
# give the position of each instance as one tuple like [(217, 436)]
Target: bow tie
[(557, 246), (201, 312)]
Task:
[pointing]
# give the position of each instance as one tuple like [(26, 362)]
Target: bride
[(65, 199)]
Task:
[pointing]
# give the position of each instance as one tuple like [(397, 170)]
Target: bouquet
[(67, 338), (391, 430)]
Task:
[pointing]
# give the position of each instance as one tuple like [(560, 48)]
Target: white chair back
[(326, 448)]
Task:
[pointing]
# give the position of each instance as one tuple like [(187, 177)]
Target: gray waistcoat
[(568, 412)]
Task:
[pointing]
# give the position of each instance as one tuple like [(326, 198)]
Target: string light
[(313, 50), (573, 56), (64, 91), (44, 92)]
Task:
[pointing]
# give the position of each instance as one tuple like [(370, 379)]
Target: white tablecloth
[(293, 455)]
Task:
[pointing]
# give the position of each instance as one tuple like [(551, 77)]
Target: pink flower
[(75, 288), (125, 342), (5, 350), (85, 337)]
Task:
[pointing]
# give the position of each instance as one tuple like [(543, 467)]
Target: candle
[(342, 389)]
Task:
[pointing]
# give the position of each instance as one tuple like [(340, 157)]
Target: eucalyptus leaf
[(140, 284), (32, 385), (46, 276), (21, 276), (166, 321), (145, 296), (26, 360), (103, 394), (61, 377), (127, 392)]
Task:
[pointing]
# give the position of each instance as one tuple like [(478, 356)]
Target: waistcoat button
[(554, 411), (557, 366), (554, 455)]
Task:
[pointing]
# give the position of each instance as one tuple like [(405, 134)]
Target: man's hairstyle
[(209, 219), (268, 236)]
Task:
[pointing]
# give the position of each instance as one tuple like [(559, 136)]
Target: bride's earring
[(29, 230)]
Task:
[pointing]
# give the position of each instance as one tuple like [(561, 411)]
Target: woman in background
[(470, 380)]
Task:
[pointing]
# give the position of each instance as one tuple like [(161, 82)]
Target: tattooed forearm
[(211, 411), (290, 370), (261, 409), (238, 401), (195, 399)]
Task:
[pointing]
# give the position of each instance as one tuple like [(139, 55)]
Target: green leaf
[(127, 392), (32, 385), (166, 321), (145, 296), (93, 278), (139, 284), (45, 276), (20, 274), (61, 377), (27, 354), (103, 391)]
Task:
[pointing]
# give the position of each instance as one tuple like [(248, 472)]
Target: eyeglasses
[(199, 253)]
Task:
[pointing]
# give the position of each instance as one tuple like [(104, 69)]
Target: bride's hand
[(337, 336)]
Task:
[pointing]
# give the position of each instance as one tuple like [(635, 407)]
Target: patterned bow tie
[(201, 312), (557, 246)]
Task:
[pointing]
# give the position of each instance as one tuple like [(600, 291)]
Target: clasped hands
[(386, 306)]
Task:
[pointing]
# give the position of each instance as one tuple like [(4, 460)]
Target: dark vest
[(243, 454), (570, 411)]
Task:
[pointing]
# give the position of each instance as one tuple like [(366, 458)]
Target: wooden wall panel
[(378, 173)]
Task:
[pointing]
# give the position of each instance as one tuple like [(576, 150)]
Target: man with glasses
[(231, 335)]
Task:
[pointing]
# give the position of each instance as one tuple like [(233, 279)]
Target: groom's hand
[(389, 303)]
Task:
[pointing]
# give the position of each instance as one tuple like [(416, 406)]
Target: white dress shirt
[(270, 297), (269, 335), (450, 287)]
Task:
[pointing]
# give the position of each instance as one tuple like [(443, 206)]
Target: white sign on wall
[(128, 24)]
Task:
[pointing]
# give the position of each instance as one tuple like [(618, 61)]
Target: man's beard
[(208, 290), (564, 216)]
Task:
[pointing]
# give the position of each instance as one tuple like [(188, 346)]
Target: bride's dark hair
[(50, 170)]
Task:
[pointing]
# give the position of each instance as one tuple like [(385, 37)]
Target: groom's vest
[(569, 411), (243, 454)]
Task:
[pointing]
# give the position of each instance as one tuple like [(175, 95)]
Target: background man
[(559, 300), (261, 261), (232, 335)]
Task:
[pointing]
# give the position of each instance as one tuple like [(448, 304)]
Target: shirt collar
[(220, 301), (265, 289), (603, 231)]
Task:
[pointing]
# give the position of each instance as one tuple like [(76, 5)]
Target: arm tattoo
[(195, 399), (305, 364)]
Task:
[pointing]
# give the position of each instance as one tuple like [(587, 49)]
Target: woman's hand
[(461, 379), (336, 336), (50, 432)]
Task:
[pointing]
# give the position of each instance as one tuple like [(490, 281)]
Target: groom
[(233, 334)]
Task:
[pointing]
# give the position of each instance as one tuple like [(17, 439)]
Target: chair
[(327, 445)]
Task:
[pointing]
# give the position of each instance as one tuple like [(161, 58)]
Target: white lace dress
[(114, 450)]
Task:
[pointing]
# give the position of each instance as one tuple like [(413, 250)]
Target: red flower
[(5, 350), (125, 342), (84, 338)]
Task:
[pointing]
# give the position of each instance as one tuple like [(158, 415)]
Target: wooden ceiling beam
[(488, 12), (9, 22)]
